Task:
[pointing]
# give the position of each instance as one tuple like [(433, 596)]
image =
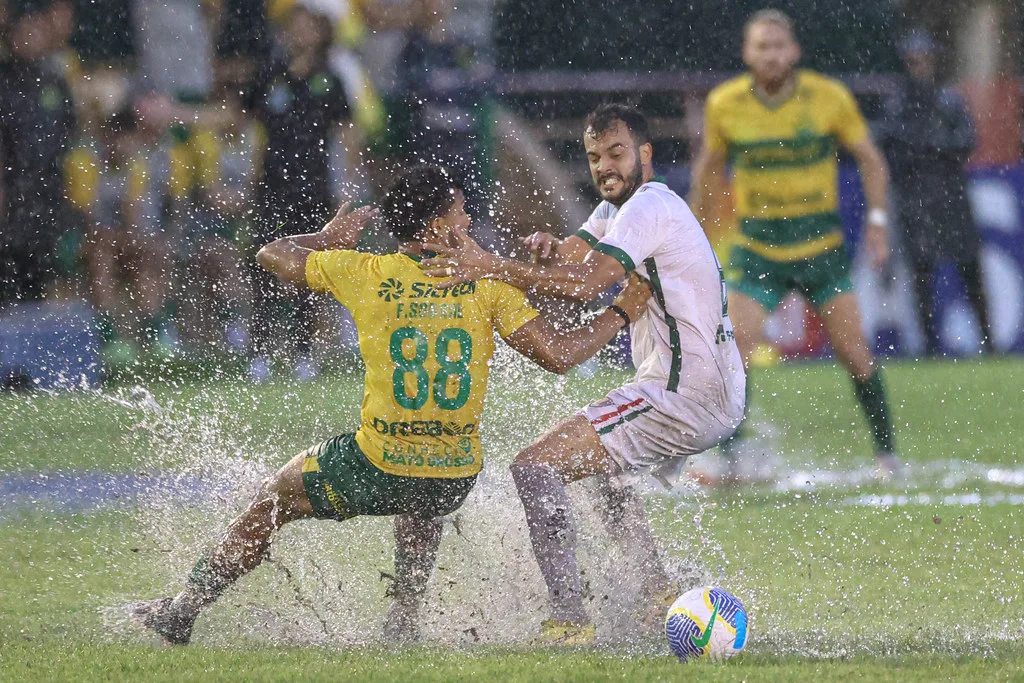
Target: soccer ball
[(706, 622)]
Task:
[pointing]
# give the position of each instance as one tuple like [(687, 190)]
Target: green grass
[(836, 591)]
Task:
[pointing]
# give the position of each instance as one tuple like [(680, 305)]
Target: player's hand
[(876, 242), (460, 261), (634, 297), (542, 245), (343, 231)]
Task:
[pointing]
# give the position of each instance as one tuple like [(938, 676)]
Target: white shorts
[(645, 427)]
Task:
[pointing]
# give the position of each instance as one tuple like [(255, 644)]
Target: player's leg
[(921, 269), (416, 542), (622, 514), (281, 499), (570, 451), (841, 316), (970, 272), (748, 316)]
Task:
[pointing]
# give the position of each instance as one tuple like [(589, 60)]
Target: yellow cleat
[(565, 633), (652, 614)]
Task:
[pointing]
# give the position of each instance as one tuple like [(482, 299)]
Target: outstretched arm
[(549, 250), (708, 172), (557, 351), (286, 258), (466, 260)]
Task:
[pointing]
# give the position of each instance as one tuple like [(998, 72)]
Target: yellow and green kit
[(427, 352), (785, 180)]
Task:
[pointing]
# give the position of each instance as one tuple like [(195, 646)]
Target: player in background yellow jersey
[(777, 127), (427, 350)]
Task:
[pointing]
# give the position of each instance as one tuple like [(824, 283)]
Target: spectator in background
[(220, 234), (300, 105), (434, 120), (37, 123), (928, 135), (111, 254), (174, 46), (162, 184)]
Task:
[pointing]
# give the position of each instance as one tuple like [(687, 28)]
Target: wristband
[(621, 313), (878, 217)]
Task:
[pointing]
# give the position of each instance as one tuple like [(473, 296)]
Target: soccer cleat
[(156, 616), (400, 625), (889, 468), (651, 614), (565, 633)]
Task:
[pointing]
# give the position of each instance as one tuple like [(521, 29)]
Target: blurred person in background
[(928, 135), (37, 124), (174, 46), (778, 126), (220, 236), (301, 106), (162, 184), (430, 120), (111, 262)]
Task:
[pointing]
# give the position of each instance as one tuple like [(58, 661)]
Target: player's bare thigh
[(841, 315), (286, 492), (571, 448), (748, 318)]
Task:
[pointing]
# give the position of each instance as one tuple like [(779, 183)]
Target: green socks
[(871, 396)]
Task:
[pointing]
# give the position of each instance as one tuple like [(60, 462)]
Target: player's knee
[(278, 497)]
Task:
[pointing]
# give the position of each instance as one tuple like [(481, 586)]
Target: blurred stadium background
[(134, 197)]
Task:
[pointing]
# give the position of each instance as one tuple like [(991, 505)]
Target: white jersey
[(685, 340)]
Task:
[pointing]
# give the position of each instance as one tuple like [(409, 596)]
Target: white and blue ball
[(706, 622)]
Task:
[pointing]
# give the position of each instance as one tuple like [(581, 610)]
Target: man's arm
[(286, 258), (557, 351), (466, 260), (708, 171), (874, 174), (550, 250)]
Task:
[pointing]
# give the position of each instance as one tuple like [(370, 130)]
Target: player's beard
[(629, 185)]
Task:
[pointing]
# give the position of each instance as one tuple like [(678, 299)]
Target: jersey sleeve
[(714, 136), (636, 232), (343, 273), (593, 230), (511, 308), (850, 126)]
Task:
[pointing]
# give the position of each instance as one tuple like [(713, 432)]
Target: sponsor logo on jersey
[(425, 290), (428, 455), (391, 289), (426, 428)]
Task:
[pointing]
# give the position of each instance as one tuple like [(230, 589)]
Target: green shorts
[(767, 282), (341, 483)]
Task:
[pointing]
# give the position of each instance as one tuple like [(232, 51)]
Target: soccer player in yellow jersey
[(777, 128), (416, 453)]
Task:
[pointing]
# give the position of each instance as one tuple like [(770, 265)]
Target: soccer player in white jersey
[(688, 394)]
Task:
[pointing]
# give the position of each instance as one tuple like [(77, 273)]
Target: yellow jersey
[(783, 160), (427, 352)]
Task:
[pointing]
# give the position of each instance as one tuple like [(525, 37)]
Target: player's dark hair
[(605, 117), (769, 15), (415, 197)]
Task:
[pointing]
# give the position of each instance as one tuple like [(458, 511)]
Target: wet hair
[(769, 16), (604, 118), (415, 197)]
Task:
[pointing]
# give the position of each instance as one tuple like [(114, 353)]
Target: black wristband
[(621, 313)]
